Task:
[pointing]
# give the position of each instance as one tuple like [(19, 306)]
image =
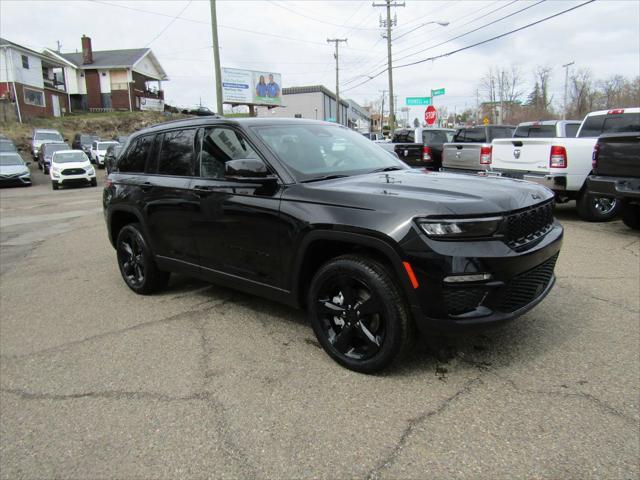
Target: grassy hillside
[(104, 124)]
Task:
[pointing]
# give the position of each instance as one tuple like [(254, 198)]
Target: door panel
[(236, 228)]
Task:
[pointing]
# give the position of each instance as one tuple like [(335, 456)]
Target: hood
[(65, 165), (6, 170), (421, 193)]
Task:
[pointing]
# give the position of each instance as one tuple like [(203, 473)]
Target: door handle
[(146, 186), (202, 190)]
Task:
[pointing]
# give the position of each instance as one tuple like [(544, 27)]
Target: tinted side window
[(219, 145), (136, 156), (571, 129), (177, 153), (410, 136), (399, 137)]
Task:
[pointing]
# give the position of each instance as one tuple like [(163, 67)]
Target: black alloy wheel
[(358, 314), (136, 263)]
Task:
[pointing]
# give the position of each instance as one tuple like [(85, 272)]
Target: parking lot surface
[(202, 381)]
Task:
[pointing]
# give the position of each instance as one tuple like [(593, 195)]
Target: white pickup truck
[(563, 164)]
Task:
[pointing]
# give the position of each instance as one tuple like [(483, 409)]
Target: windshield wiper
[(386, 169), (325, 177)]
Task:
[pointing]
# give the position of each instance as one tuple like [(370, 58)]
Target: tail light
[(426, 154), (616, 111), (485, 155), (558, 157), (594, 157)]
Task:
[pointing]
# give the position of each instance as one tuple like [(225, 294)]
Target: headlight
[(89, 170), (460, 228), (25, 174)]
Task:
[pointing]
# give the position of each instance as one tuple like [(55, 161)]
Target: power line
[(169, 24), (380, 64), (475, 44), (229, 27), (316, 19)]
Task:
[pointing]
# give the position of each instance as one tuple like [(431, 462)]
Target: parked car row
[(554, 153)]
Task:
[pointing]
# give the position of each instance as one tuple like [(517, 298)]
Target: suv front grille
[(527, 286), (529, 225), (462, 300), (73, 171)]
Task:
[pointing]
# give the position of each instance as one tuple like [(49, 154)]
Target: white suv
[(99, 150), (71, 167)]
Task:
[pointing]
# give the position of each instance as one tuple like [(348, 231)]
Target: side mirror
[(27, 163), (248, 170)]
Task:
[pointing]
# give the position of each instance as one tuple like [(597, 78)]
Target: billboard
[(153, 104), (251, 87)]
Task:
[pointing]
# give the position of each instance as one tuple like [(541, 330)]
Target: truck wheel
[(358, 314), (136, 262), (631, 215), (597, 209)]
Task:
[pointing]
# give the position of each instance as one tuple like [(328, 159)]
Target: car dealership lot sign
[(249, 87)]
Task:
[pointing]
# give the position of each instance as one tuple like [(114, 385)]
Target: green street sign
[(438, 92), (416, 101)]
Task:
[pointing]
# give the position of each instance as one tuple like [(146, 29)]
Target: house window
[(34, 97), (25, 62)]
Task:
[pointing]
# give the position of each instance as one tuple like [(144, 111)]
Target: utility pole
[(388, 23), (382, 113), (216, 56), (566, 81), (335, 55), (58, 46)]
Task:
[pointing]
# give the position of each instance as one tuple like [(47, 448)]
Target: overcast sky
[(289, 37)]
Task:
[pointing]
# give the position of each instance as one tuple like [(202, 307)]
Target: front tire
[(358, 314), (597, 209), (54, 185), (136, 262), (94, 182)]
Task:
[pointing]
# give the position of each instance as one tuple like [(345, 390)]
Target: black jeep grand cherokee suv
[(312, 214)]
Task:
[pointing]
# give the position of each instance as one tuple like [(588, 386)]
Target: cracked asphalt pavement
[(201, 381)]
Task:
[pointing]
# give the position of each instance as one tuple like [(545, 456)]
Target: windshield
[(11, 160), (105, 145), (48, 136), (7, 147), (314, 151), (88, 139), (69, 157), (54, 147)]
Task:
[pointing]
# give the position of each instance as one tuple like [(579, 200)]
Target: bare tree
[(501, 91), (583, 96)]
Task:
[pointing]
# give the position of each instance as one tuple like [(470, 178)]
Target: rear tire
[(597, 209), (631, 215), (137, 265), (359, 315)]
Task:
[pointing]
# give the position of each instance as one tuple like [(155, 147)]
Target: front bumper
[(618, 187), (74, 179), (519, 281), (15, 181)]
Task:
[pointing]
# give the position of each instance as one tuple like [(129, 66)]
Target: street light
[(442, 23)]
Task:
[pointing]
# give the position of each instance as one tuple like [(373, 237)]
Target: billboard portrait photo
[(251, 87)]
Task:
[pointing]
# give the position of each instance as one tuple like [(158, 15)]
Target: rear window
[(596, 125), (53, 147), (471, 135), (436, 138), (500, 132), (403, 136), (53, 136), (571, 129), (535, 131), (136, 157)]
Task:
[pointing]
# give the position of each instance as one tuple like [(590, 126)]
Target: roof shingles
[(108, 58)]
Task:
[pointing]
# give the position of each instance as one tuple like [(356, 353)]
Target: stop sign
[(430, 115)]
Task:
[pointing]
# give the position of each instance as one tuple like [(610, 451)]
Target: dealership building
[(315, 102)]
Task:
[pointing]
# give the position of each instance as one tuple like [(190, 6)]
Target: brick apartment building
[(104, 80), (31, 84)]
